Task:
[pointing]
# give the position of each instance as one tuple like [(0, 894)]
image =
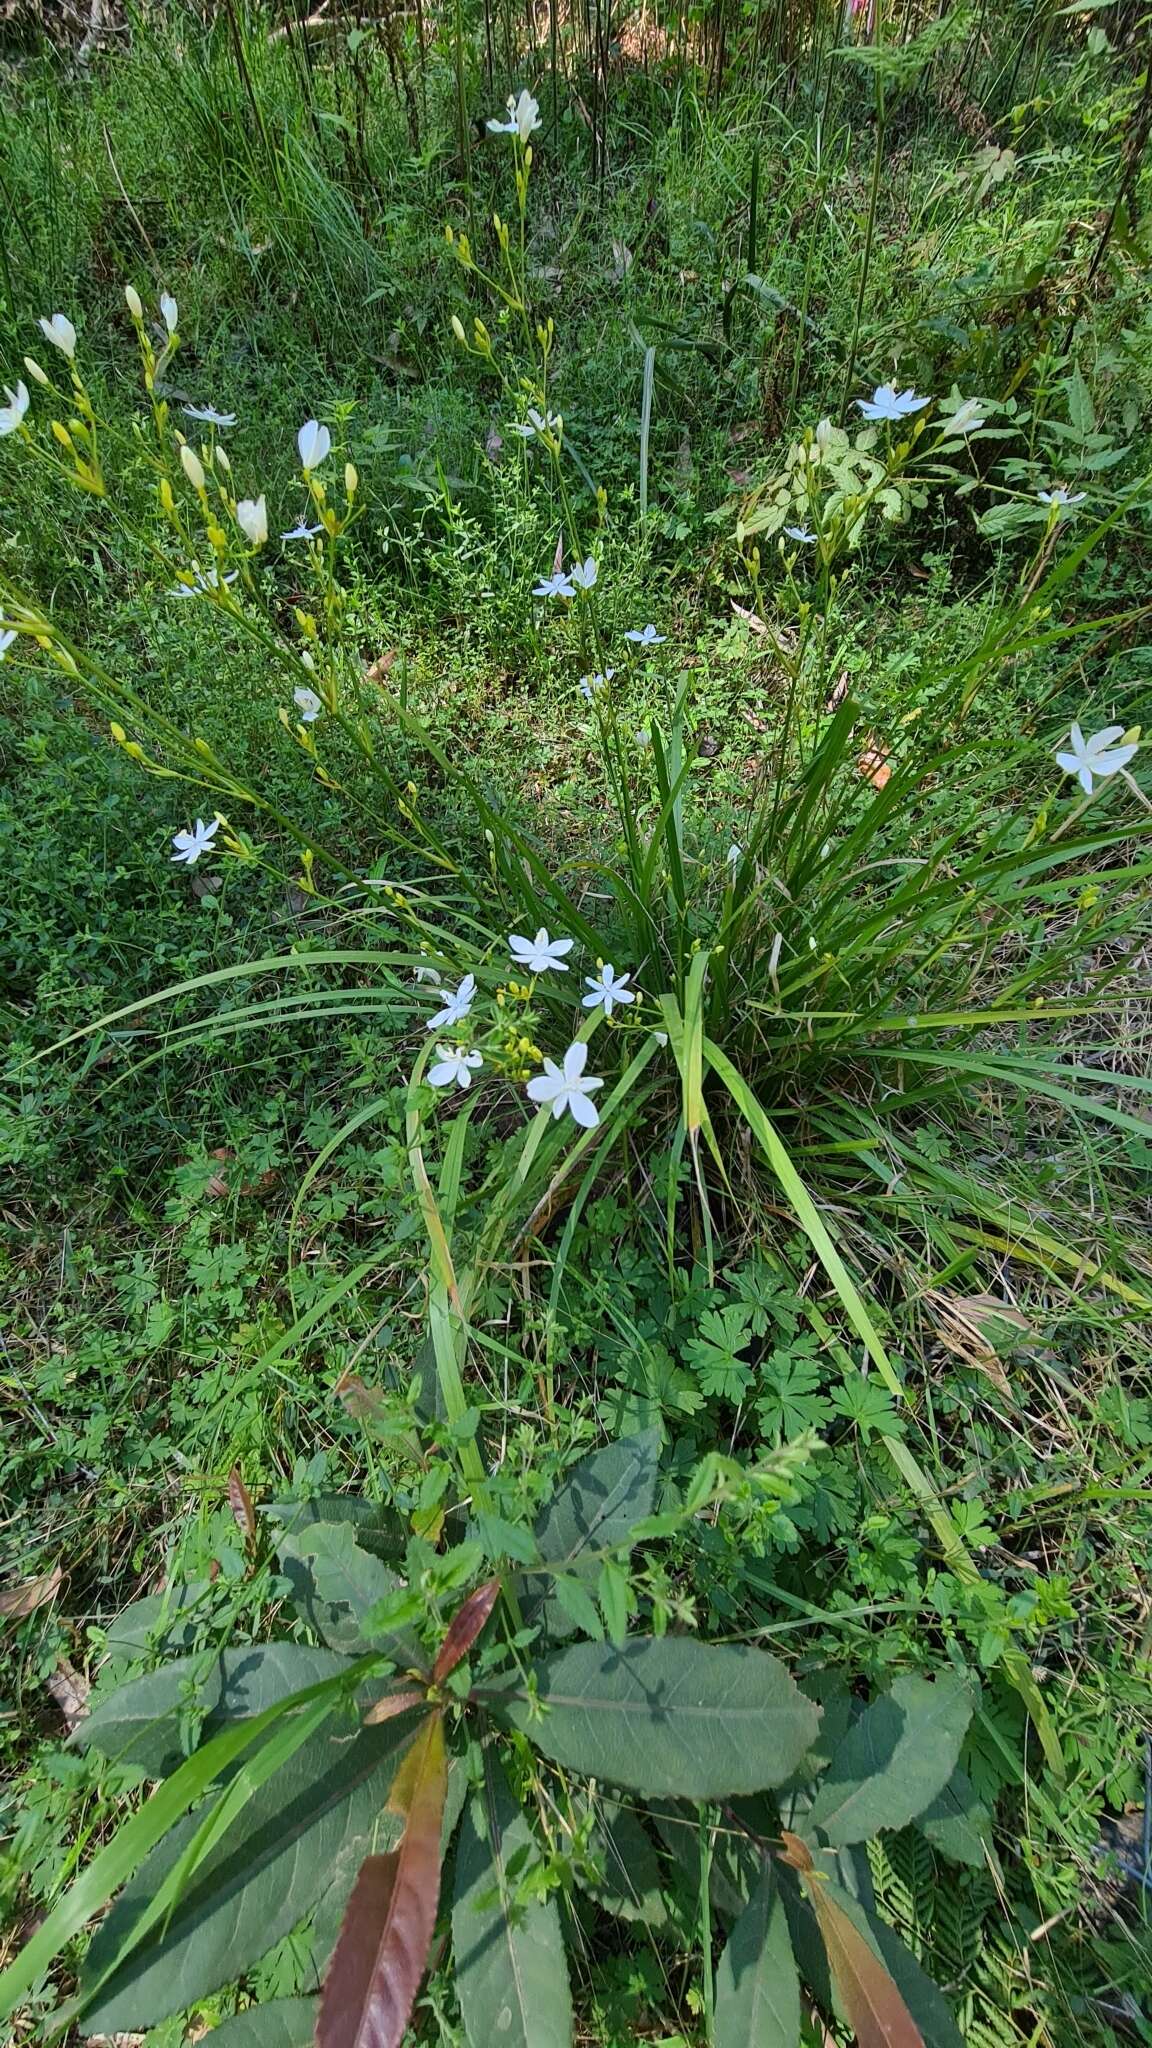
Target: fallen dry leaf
[(69, 1688), (240, 1502), (378, 669), (838, 692), (751, 620), (875, 765), (17, 1601)]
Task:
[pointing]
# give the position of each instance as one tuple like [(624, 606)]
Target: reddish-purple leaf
[(389, 1921), (391, 1704), (464, 1628), (871, 2000), (240, 1502)]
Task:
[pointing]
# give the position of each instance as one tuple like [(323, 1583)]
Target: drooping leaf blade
[(895, 1759), (254, 1886), (757, 1983), (511, 1973), (335, 1583), (627, 1882), (141, 1722), (383, 1944), (670, 1716), (282, 2023), (602, 1499), (958, 1823)]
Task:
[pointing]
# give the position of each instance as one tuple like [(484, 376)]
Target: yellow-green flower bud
[(166, 498), (37, 375), (134, 301), (192, 466), (458, 329), (351, 479)]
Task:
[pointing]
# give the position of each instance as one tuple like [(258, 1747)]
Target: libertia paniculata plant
[(811, 985)]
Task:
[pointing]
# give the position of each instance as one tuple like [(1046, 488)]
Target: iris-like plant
[(395, 1774)]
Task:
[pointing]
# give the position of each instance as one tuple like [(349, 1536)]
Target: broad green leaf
[(380, 1955), (141, 1722), (668, 1716), (283, 2023), (335, 1583), (511, 1973), (757, 1985), (895, 1760), (377, 1528), (628, 1880), (255, 1885), (596, 1509), (162, 1624), (924, 1999), (957, 1822)]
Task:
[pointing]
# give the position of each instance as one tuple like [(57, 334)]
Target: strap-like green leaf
[(670, 1716), (511, 1974)]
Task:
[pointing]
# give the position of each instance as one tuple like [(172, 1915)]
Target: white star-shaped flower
[(968, 418), (524, 117), (428, 974), (169, 311), (1061, 496), (13, 413), (7, 640), (61, 334), (734, 856), (800, 533), (302, 532), (252, 519), (1098, 757), (568, 1087), (314, 443), (457, 1003), (209, 415), (541, 954), (202, 582), (556, 585), (607, 989), (886, 403), (584, 574), (455, 1067), (190, 845), (645, 636), (592, 687), (308, 705), (538, 423)]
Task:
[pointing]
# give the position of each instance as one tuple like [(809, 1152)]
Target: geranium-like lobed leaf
[(511, 1973), (895, 1759), (668, 1716), (383, 1944)]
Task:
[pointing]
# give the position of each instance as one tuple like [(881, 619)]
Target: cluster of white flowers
[(566, 582), (562, 1088)]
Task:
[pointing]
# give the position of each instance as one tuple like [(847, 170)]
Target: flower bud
[(458, 329), (222, 461), (37, 375), (166, 498), (351, 479), (134, 302), (192, 466)]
